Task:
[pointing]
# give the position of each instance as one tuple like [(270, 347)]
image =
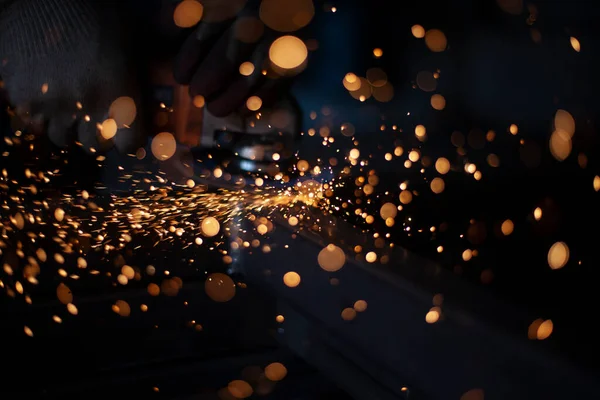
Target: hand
[(226, 60), (226, 57)]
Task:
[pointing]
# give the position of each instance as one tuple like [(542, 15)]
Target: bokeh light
[(122, 308), (288, 52), (219, 287), (436, 40), (438, 102), (420, 131), (426, 81), (198, 101), (575, 44), (371, 257), (348, 314), (188, 13), (360, 306), (545, 330), (275, 372), (563, 120), (376, 77), (108, 129), (64, 294), (418, 31), (123, 111), (437, 185), (210, 227), (331, 258), (406, 197), (558, 255), (560, 144), (507, 227), (240, 389), (442, 165), (246, 68), (388, 210), (254, 103), (163, 146), (432, 315), (384, 93), (291, 279)]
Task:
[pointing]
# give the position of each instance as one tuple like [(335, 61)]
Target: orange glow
[(198, 101), (432, 316), (436, 40), (108, 129), (564, 121), (123, 111), (254, 103), (560, 144), (275, 372), (575, 44), (558, 255), (64, 294), (240, 389), (246, 68), (545, 330), (288, 52), (540, 329), (291, 279), (442, 165), (420, 131), (437, 185), (507, 227), (348, 314), (331, 258), (163, 146), (418, 31), (405, 197), (376, 77), (388, 210), (219, 287), (360, 306), (438, 102), (188, 13), (210, 226)]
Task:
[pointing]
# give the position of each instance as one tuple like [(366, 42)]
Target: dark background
[(492, 75)]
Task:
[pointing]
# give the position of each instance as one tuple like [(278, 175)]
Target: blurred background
[(453, 150)]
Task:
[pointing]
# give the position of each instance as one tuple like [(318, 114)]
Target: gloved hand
[(228, 60), (64, 62), (226, 57)]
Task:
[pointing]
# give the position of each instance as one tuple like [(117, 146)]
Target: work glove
[(227, 62)]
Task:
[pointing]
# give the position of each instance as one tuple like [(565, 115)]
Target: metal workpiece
[(390, 351)]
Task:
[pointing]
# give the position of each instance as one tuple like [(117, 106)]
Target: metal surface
[(390, 345)]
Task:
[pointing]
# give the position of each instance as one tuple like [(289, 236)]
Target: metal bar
[(444, 360)]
